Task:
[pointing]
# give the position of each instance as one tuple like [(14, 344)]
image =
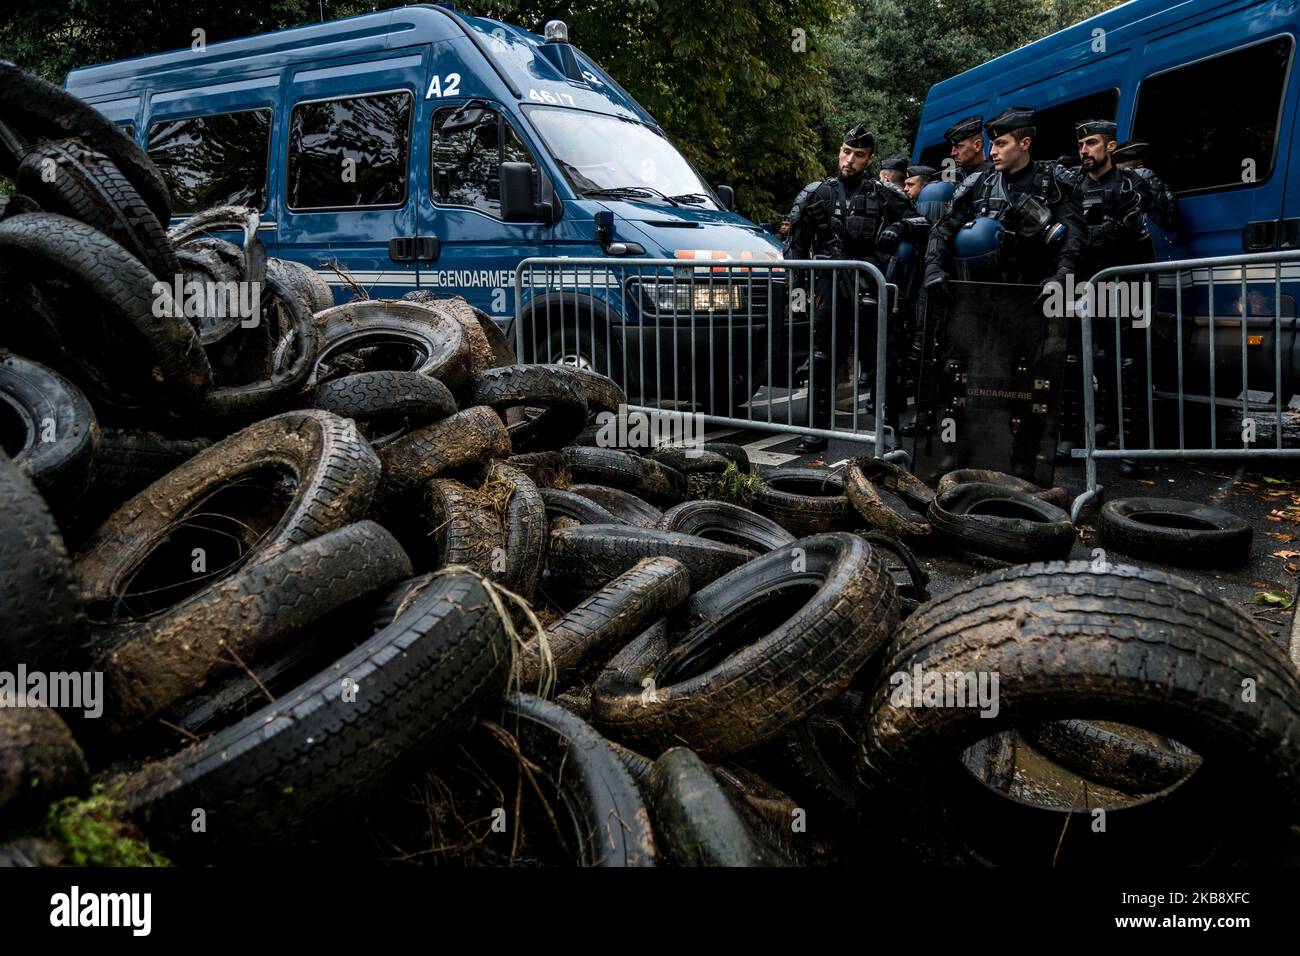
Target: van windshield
[(606, 156)]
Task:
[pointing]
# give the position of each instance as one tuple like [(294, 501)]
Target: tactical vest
[(856, 221), (992, 199)]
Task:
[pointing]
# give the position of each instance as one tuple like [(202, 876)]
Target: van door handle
[(427, 248), (1260, 236), (402, 248)]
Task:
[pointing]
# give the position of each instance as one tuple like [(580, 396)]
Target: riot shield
[(990, 385)]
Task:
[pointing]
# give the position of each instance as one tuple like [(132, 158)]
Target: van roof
[(993, 85), (514, 55)]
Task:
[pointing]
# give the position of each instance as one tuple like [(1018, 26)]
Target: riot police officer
[(918, 177), (849, 216), (966, 139), (893, 170), (1118, 205), (1039, 230)]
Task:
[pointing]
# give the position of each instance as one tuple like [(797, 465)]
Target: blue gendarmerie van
[(418, 149), (1210, 86)]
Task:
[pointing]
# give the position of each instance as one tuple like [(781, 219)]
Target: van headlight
[(683, 298)]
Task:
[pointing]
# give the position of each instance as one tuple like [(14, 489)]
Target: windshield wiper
[(625, 191), (693, 198)]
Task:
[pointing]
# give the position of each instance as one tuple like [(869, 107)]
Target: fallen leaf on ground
[(1278, 599)]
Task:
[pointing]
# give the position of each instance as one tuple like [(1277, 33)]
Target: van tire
[(42, 618), (40, 111), (1196, 535), (274, 778), (721, 699), (586, 558), (154, 664), (162, 357), (731, 524), (334, 471), (548, 387), (1035, 531), (804, 501), (40, 398), (627, 507), (86, 186), (644, 477)]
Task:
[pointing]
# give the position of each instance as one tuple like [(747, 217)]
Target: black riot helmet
[(859, 137)]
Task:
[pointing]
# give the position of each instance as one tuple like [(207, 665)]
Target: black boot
[(819, 399)]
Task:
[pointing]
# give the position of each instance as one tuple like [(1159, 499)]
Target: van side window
[(350, 152), (1201, 126), (466, 163), (1056, 124), (214, 160)]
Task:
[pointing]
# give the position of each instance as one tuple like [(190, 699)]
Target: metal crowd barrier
[(1181, 362), (727, 339)]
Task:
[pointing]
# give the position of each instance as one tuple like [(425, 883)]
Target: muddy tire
[(278, 379), (49, 429), (914, 585), (695, 823), (1124, 761), (713, 458), (643, 477), (623, 505), (1129, 645), (600, 392), (889, 498), (39, 111), (566, 504), (315, 291), (552, 389), (1001, 523), (375, 336), (67, 178), (469, 438), (42, 619), (1175, 532), (465, 526), (610, 825), (547, 469), (137, 358), (385, 405), (39, 761), (588, 557), (752, 653), (1053, 496), (128, 461), (728, 523), (274, 780), (804, 501), (608, 619), (333, 474), (488, 347), (152, 665), (525, 529)]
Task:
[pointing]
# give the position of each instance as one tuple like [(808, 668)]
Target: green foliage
[(94, 834), (733, 485), (888, 53)]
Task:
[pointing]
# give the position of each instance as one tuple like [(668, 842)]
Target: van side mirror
[(728, 197), (467, 117), (518, 181)]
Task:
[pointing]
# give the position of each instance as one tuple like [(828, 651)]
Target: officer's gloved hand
[(889, 239), (1055, 286), (936, 287)]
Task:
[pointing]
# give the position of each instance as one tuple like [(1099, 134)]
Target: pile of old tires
[(355, 582)]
